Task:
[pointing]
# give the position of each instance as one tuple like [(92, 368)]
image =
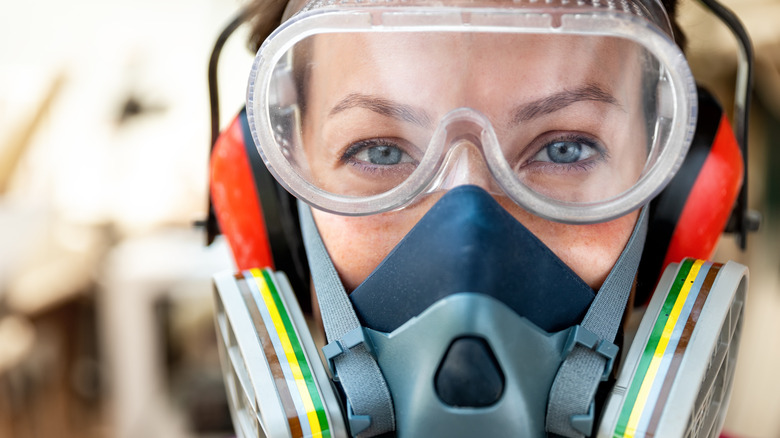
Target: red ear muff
[(689, 216), (236, 201), (258, 218), (686, 219), (710, 202)]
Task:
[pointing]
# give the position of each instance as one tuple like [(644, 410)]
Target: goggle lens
[(568, 124)]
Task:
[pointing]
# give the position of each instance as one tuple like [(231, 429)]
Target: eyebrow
[(522, 113), (385, 107), (560, 100)]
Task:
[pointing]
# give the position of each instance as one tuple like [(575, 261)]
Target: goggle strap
[(569, 410), (370, 406)]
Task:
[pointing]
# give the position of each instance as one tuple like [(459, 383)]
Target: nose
[(463, 134), (465, 164)]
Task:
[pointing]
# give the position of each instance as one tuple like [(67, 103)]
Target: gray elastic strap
[(367, 393), (569, 409)]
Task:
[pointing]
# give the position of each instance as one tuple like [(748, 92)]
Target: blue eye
[(383, 155), (377, 153), (567, 152)]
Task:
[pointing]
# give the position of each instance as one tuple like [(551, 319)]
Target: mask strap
[(570, 410), (369, 405)]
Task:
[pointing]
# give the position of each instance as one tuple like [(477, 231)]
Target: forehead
[(466, 67)]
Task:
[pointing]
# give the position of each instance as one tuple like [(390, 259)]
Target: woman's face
[(564, 109)]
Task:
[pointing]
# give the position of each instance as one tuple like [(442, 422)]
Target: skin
[(533, 90)]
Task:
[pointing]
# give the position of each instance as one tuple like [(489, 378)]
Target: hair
[(266, 15), (679, 36)]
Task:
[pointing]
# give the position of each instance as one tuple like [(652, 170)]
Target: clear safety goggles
[(579, 111)]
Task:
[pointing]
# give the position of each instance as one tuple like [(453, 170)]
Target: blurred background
[(105, 293)]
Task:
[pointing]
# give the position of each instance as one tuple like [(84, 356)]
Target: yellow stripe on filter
[(658, 355), (300, 382)]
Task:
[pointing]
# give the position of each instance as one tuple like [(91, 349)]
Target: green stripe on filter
[(293, 351), (641, 385)]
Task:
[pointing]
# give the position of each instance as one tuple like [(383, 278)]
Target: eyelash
[(360, 145), (547, 139), (348, 157)]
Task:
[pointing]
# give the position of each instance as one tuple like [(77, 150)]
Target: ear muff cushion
[(688, 217), (236, 201)]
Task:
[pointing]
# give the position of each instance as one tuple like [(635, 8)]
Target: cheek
[(589, 250), (358, 244)]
